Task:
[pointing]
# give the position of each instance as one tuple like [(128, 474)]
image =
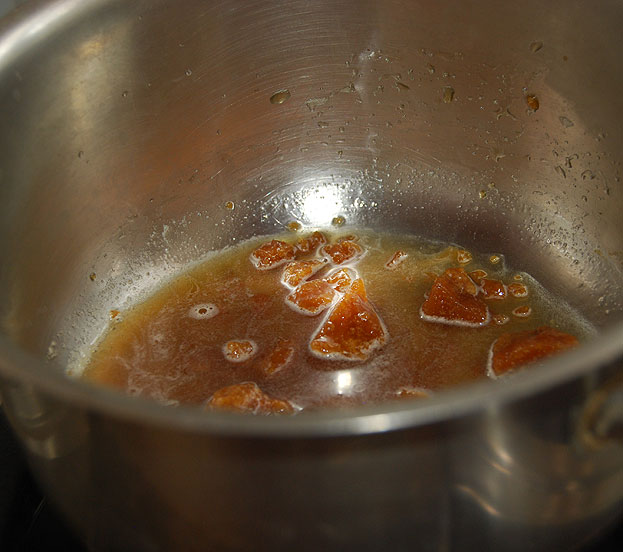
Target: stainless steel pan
[(126, 129)]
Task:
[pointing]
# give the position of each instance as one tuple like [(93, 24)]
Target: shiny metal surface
[(127, 127)]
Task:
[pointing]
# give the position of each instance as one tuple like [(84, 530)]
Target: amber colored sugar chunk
[(310, 244), (239, 350), (396, 259), (453, 300), (280, 356), (353, 329), (463, 257), (272, 254), (518, 290), (492, 289), (311, 298), (477, 275), (247, 397), (342, 251), (341, 279), (298, 271), (513, 350)]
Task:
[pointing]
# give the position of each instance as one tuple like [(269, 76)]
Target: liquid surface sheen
[(303, 321)]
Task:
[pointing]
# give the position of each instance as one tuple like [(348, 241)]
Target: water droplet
[(92, 276), (560, 171), (448, 94), (536, 46), (338, 221), (588, 175), (431, 68), (482, 194), (280, 97), (124, 94), (401, 86), (188, 72), (294, 226), (495, 259), (565, 121), (322, 124), (80, 154), (230, 205)]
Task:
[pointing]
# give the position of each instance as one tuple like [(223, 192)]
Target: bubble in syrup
[(279, 97), (500, 319), (203, 311)]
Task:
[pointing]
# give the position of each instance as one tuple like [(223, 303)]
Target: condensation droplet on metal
[(536, 46), (279, 97), (448, 94), (565, 121)]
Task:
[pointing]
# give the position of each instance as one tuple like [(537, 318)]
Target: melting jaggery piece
[(353, 329), (310, 244), (492, 289), (513, 350), (454, 299), (413, 393), (397, 258), (272, 254), (341, 279), (247, 397), (239, 350), (342, 251), (477, 275), (518, 290), (311, 298), (463, 257), (297, 271), (280, 356)]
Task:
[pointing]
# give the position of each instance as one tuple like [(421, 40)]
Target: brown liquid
[(171, 347)]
